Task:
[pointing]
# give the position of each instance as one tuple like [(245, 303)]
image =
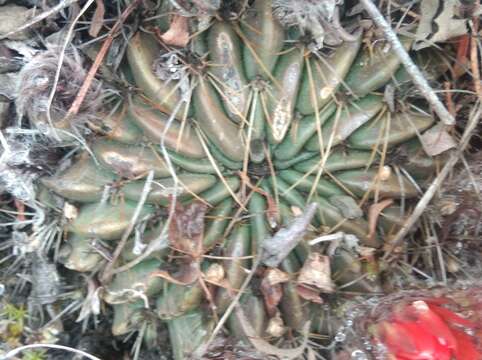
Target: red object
[(427, 331)]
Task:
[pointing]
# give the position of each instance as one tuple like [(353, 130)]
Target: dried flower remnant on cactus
[(170, 67)]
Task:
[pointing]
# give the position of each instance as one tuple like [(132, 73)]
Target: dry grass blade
[(257, 58), (218, 172), (231, 307), (61, 61), (326, 154), (178, 33)]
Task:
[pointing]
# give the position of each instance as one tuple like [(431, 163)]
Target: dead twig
[(448, 98), (427, 197), (74, 108), (412, 69), (277, 248)]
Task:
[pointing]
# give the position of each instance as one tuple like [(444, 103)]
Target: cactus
[(265, 125)]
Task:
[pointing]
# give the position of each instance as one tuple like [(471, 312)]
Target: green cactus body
[(299, 154)]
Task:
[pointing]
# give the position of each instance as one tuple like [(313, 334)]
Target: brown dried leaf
[(437, 140), (185, 235), (188, 274), (272, 212), (374, 213), (272, 295), (316, 272), (187, 228), (178, 33), (275, 276), (309, 294)]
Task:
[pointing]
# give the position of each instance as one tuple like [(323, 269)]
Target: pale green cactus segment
[(188, 186), (403, 126), (84, 181), (386, 183), (227, 70), (129, 161), (179, 136), (143, 49), (342, 124), (282, 96), (337, 160), (106, 221), (137, 283), (79, 254), (264, 37), (373, 68), (197, 326), (325, 76)]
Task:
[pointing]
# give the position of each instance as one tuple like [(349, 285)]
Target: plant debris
[(36, 87), (281, 244)]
